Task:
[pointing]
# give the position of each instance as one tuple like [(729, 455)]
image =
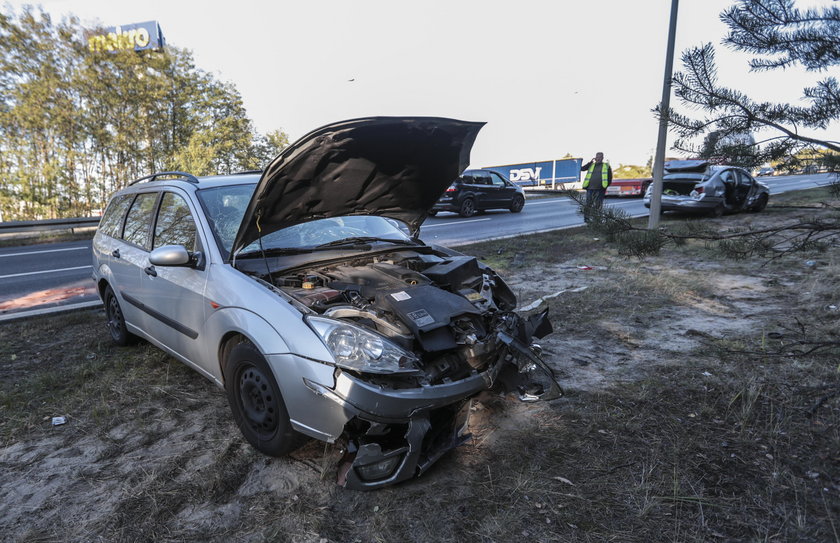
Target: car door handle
[(115, 253), (151, 271)]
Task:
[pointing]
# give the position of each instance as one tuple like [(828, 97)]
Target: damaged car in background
[(305, 292), (698, 187)]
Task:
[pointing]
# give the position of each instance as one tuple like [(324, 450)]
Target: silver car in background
[(305, 292), (696, 186)]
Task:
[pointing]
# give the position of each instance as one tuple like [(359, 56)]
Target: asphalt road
[(38, 274)]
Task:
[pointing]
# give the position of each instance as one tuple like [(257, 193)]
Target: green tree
[(75, 125), (632, 171), (779, 35)]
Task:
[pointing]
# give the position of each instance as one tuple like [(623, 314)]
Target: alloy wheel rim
[(115, 318)]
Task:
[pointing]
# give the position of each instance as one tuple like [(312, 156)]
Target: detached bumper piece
[(385, 454)]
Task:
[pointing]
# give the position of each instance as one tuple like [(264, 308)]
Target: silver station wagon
[(305, 292)]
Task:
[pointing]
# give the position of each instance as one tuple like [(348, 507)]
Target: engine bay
[(453, 312)]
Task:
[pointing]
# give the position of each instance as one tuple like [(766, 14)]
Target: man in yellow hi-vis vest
[(598, 178)]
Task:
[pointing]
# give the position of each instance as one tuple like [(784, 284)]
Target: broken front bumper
[(395, 434), (376, 459)]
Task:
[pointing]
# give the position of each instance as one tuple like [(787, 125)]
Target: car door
[(729, 179), (109, 231), (482, 190), (130, 255), (173, 296), (746, 188), (502, 191)]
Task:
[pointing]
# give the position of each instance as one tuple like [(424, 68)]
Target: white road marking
[(453, 222), (43, 271), (625, 203), (47, 251), (557, 201)]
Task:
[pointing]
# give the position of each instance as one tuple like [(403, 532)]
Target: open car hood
[(390, 166)]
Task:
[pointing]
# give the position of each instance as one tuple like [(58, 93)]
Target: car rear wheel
[(256, 403), (761, 203), (116, 320), (517, 204), (467, 208)]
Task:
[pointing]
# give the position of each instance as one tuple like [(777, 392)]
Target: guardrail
[(15, 227)]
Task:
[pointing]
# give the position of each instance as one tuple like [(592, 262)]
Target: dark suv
[(477, 190)]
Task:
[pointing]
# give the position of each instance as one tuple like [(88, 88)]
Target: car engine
[(453, 312)]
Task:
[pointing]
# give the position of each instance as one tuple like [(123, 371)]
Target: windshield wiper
[(361, 240), (275, 251)]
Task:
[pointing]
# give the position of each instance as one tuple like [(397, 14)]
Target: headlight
[(355, 348)]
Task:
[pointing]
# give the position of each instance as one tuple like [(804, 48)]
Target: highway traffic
[(57, 274)]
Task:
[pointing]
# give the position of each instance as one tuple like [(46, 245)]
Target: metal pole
[(659, 160)]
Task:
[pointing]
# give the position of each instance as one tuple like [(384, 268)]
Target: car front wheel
[(256, 403), (517, 204), (467, 208)]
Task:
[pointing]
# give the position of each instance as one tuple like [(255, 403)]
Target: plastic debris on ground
[(536, 303)]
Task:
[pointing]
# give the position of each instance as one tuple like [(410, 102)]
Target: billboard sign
[(136, 36), (561, 173)]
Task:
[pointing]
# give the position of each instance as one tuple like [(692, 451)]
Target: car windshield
[(225, 207)]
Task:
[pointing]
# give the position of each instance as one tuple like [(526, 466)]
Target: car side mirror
[(172, 255)]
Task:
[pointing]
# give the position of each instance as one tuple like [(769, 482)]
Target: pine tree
[(779, 35)]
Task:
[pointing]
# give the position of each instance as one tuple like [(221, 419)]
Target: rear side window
[(175, 224), (139, 219), (112, 221), (497, 180)]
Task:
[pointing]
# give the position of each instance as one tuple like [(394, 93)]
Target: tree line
[(76, 124)]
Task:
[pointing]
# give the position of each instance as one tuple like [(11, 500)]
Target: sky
[(548, 77)]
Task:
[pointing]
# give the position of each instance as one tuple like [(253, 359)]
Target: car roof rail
[(185, 176), (247, 172)]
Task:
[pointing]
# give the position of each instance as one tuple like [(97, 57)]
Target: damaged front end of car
[(415, 335)]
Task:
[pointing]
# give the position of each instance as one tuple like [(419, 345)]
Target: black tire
[(432, 213), (761, 203), (467, 208), (256, 403), (116, 321), (517, 204)]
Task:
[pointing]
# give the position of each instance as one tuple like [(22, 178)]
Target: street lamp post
[(659, 160)]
